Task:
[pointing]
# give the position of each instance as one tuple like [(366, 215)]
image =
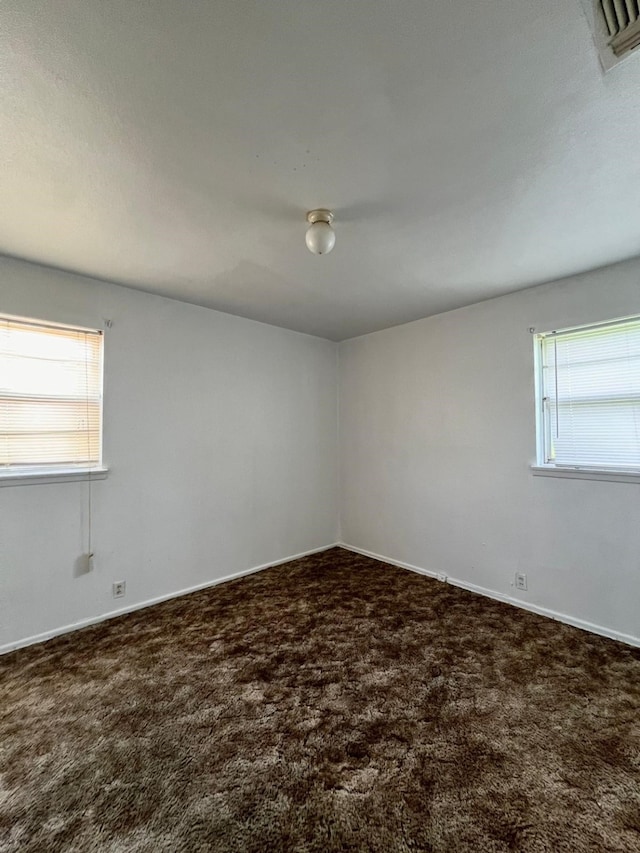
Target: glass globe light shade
[(320, 238)]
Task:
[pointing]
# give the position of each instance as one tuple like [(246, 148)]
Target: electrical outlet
[(442, 577), (119, 588), (521, 580)]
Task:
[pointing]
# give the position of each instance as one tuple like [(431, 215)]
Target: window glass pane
[(50, 395), (591, 396)]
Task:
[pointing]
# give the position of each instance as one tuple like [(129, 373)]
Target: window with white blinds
[(50, 396), (589, 397)]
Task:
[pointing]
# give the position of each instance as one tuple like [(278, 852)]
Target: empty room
[(319, 426)]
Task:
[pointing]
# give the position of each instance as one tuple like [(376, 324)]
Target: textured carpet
[(334, 703)]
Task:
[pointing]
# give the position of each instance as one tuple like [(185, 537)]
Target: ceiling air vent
[(622, 18), (616, 28)]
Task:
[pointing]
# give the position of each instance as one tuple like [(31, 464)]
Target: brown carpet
[(334, 703)]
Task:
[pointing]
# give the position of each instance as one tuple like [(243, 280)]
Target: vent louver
[(622, 18)]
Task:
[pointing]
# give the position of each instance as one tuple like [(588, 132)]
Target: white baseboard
[(524, 605), (507, 599), (390, 560), (94, 620)]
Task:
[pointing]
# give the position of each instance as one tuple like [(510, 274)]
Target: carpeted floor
[(334, 703)]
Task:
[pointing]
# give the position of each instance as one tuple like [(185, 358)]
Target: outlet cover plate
[(521, 580)]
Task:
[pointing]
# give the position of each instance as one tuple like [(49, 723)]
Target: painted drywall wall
[(437, 426), (220, 436)]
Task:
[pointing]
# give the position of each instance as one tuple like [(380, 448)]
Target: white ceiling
[(468, 148)]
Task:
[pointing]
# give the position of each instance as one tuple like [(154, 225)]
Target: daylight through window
[(589, 397), (50, 396)]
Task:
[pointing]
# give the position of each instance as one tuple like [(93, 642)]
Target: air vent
[(615, 25), (622, 18)]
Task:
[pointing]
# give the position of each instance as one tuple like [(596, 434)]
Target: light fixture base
[(320, 215)]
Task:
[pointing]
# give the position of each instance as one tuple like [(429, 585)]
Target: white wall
[(220, 434), (437, 427), (434, 456)]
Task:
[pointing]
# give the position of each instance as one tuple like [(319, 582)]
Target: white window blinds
[(590, 396), (50, 396)]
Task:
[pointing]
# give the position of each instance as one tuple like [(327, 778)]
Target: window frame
[(35, 474), (543, 468)]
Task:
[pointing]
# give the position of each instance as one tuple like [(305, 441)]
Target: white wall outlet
[(521, 580), (119, 589), (442, 577)]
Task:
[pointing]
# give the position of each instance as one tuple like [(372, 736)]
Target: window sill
[(61, 475), (586, 474)]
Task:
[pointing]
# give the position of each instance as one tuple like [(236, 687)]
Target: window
[(588, 394), (50, 398)]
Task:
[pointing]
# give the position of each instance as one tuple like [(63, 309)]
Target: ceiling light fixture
[(320, 237)]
